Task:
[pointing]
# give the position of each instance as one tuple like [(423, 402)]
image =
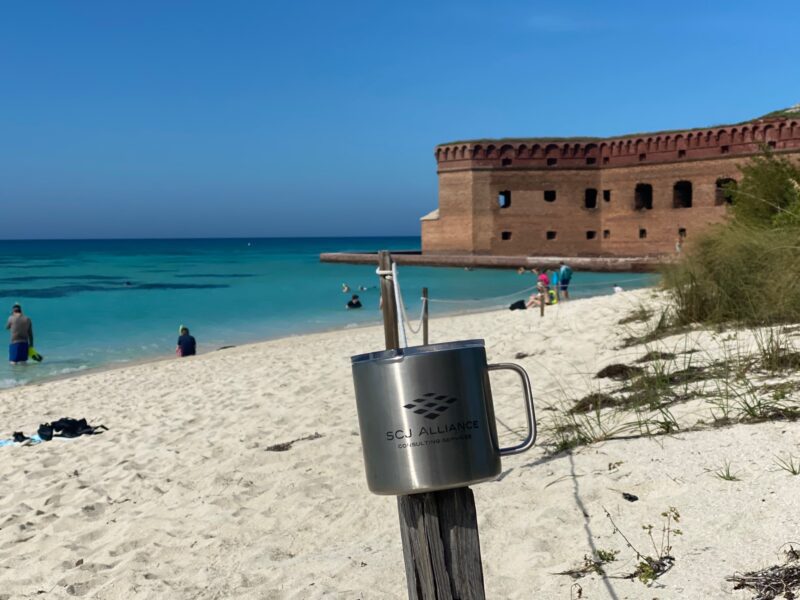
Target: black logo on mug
[(431, 405)]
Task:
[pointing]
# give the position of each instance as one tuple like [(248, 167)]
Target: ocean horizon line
[(206, 238)]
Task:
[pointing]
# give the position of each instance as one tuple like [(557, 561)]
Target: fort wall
[(627, 196)]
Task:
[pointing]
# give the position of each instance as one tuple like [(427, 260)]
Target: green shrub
[(769, 192), (748, 269), (739, 273)]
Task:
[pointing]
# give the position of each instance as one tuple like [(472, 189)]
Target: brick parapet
[(781, 134)]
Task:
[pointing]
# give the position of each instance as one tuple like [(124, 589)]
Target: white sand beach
[(181, 498)]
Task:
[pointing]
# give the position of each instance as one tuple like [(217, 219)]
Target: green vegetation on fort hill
[(792, 111)]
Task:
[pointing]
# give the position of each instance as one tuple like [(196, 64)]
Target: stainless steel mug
[(427, 419)]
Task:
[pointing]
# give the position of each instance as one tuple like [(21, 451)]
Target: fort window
[(771, 144), (551, 235), (606, 234), (505, 235), (605, 160), (643, 234), (552, 162), (590, 198), (682, 233), (506, 162), (682, 195), (642, 157), (725, 149), (591, 160), (607, 195), (549, 195), (724, 191), (590, 235), (681, 153), (504, 199), (643, 197)]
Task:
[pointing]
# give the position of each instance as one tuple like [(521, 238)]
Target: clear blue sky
[(182, 119)]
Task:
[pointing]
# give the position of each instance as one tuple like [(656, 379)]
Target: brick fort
[(632, 195)]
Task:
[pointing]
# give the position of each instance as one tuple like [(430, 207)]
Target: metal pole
[(425, 316), (388, 305)]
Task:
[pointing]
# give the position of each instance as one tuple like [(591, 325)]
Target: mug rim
[(417, 350)]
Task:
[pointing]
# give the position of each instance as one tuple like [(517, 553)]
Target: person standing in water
[(564, 277), (21, 329), (187, 346)]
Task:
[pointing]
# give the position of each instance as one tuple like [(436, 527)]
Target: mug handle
[(529, 440)]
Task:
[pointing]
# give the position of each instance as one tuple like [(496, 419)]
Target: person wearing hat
[(21, 330)]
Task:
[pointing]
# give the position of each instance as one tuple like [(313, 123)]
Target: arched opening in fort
[(606, 234), (724, 192), (549, 195), (682, 233), (606, 195), (590, 198), (643, 197), (551, 235), (642, 234), (682, 194), (590, 235), (504, 199), (505, 235)]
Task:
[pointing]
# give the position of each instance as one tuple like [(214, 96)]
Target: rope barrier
[(419, 321), (524, 291), (398, 300), (402, 316), (403, 321)]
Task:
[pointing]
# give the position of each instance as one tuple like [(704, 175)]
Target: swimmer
[(345, 288)]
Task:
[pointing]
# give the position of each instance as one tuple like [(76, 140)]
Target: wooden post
[(425, 316), (441, 546), (542, 300)]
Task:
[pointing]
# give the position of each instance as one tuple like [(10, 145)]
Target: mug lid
[(416, 350)]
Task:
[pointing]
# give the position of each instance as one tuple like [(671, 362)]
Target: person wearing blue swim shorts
[(21, 330)]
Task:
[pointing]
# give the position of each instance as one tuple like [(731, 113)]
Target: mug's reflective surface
[(427, 419)]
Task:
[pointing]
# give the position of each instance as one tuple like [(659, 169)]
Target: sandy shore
[(182, 499)]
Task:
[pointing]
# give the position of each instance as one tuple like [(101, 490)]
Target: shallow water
[(100, 302)]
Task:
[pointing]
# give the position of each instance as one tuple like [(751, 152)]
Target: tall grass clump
[(746, 270)]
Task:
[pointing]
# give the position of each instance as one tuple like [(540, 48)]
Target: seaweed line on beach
[(284, 446)]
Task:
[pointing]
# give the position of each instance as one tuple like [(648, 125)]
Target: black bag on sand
[(45, 432), (69, 428), (518, 305)]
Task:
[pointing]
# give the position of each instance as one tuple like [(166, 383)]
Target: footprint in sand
[(126, 547), (93, 511)]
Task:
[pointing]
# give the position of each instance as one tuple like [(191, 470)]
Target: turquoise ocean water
[(101, 302)]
